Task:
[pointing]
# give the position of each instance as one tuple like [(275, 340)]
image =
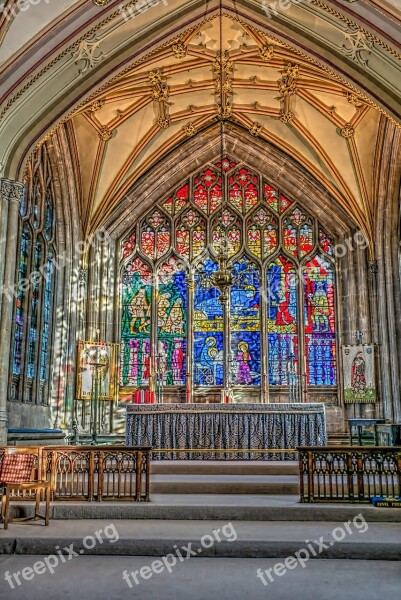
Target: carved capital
[(11, 190)]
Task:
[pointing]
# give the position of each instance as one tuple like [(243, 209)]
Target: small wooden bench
[(20, 472)]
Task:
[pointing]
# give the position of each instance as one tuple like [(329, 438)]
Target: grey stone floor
[(100, 578)]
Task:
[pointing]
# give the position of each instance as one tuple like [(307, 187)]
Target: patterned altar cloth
[(204, 429)]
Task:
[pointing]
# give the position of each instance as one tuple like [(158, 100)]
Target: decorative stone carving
[(11, 190), (357, 46), (105, 133), (286, 116), (223, 68), (96, 105), (160, 90), (255, 129), (189, 129), (373, 268), (89, 52), (354, 99), (266, 52), (347, 131), (160, 93), (178, 48), (82, 276), (287, 84), (163, 122)]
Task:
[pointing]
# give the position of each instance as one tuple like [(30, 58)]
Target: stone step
[(242, 539), (213, 507), (223, 484), (232, 467)]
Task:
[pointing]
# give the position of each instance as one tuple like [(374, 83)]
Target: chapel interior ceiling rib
[(270, 90)]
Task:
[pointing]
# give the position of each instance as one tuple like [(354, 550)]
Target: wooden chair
[(20, 472)]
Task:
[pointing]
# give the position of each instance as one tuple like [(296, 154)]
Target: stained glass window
[(129, 246), (207, 190), (135, 323), (21, 296), (34, 313), (178, 201), (244, 189), (33, 327), (262, 233), (298, 235), (245, 324), (270, 241), (282, 320), (172, 322), (227, 227), (47, 307), (190, 236), (155, 236), (320, 340), (208, 328)]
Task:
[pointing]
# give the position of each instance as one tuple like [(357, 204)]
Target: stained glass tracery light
[(207, 327), (155, 235), (172, 322), (21, 298), (245, 324), (320, 341), (282, 319), (33, 325), (136, 323)]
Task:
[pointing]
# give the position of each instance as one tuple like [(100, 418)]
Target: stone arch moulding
[(279, 170), (33, 108)]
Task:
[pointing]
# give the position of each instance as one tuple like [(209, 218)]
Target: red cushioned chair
[(20, 473)]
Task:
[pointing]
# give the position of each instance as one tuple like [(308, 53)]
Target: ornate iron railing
[(95, 472), (349, 474)]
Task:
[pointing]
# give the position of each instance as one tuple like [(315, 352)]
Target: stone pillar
[(11, 193)]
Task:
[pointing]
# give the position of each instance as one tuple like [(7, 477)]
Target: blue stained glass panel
[(33, 324), (281, 320), (21, 295), (245, 324), (47, 305), (208, 328)]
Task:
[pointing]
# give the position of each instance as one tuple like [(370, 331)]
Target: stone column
[(11, 193)]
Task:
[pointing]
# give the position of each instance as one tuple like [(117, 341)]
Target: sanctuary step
[(224, 477), (210, 507), (240, 539)]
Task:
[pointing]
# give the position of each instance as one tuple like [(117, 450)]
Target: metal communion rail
[(93, 472), (349, 474)]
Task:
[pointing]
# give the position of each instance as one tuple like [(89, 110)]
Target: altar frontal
[(226, 431)]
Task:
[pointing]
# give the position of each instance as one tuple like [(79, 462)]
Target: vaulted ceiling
[(274, 93), (309, 80)]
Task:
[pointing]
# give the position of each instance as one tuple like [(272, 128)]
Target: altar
[(226, 431)]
